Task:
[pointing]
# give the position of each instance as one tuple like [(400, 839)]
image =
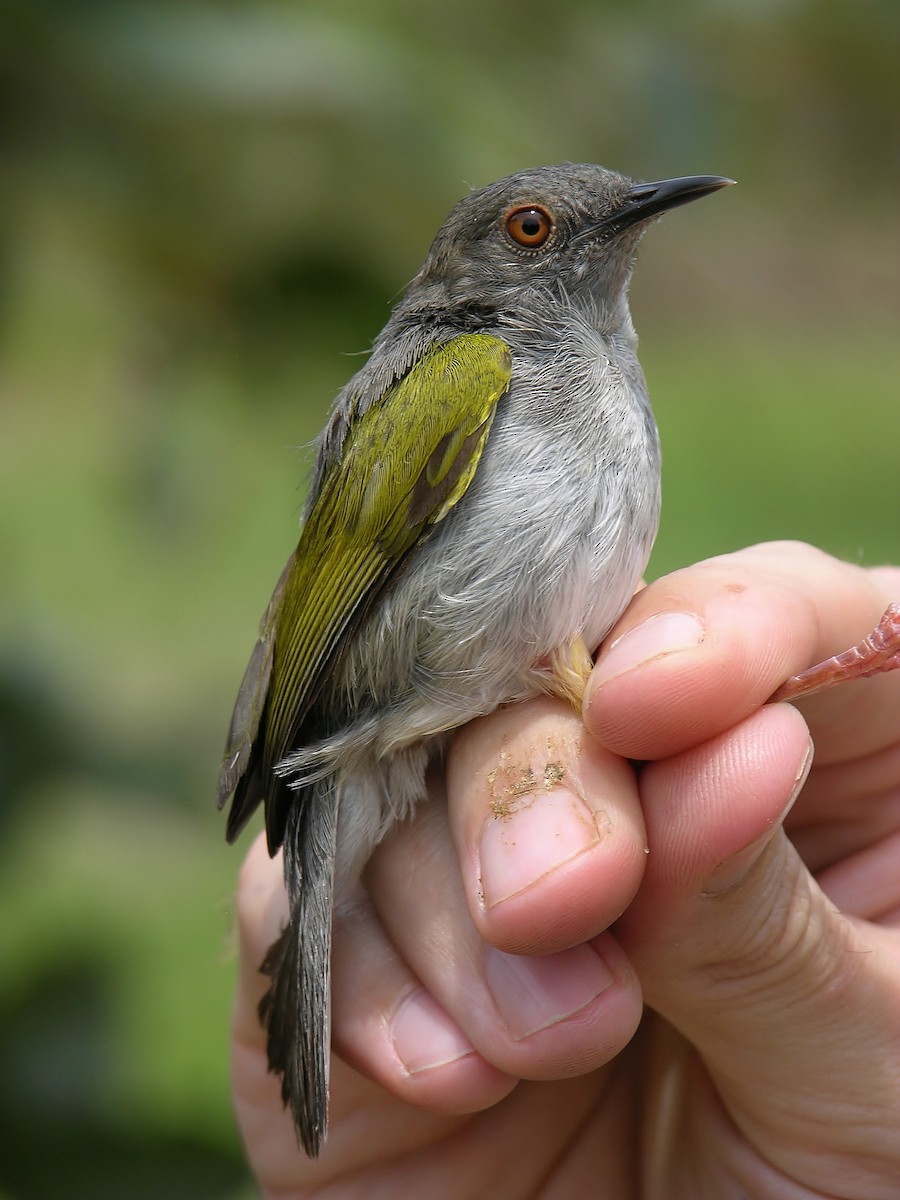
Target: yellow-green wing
[(404, 464)]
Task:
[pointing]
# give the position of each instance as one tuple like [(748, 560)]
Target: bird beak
[(646, 200)]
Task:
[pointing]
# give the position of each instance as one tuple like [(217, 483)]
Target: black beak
[(646, 200)]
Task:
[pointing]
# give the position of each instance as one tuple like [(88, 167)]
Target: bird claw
[(570, 667), (875, 654)]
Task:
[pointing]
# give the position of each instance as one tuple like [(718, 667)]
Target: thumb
[(739, 950)]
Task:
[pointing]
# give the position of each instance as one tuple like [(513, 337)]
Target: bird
[(485, 497)]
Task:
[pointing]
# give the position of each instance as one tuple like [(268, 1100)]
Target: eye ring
[(529, 226)]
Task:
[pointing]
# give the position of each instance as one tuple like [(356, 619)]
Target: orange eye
[(529, 227)]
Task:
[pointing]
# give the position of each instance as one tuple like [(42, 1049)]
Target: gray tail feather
[(296, 1009)]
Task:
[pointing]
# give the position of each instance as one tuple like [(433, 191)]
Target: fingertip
[(547, 826), (700, 651), (657, 637), (390, 1026)]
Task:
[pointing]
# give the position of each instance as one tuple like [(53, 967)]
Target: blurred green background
[(205, 210)]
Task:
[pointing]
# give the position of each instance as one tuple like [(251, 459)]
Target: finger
[(530, 1017), (370, 1126), (262, 913), (547, 825), (267, 1129), (867, 883), (848, 808), (391, 1028), (700, 649), (738, 948), (369, 983)]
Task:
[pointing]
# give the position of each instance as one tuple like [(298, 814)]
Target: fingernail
[(799, 779), (730, 873), (535, 993), (666, 633), (424, 1036), (522, 846)]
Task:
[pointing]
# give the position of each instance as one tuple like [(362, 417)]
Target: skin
[(759, 940)]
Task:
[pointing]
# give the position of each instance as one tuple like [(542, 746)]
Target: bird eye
[(529, 227)]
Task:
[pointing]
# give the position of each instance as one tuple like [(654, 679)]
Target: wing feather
[(406, 461)]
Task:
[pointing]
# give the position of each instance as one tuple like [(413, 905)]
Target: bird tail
[(296, 1009)]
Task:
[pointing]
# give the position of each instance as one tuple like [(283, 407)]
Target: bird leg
[(876, 653), (570, 667)]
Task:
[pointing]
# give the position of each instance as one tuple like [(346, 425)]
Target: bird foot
[(875, 654), (569, 669)]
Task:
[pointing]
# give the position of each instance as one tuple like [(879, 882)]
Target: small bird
[(484, 502)]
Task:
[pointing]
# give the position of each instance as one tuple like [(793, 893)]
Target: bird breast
[(548, 542)]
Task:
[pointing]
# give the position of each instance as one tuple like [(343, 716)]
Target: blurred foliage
[(203, 208)]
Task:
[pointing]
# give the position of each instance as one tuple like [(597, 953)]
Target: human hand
[(490, 974)]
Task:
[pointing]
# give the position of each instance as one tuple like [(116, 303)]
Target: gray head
[(565, 233), (560, 230)]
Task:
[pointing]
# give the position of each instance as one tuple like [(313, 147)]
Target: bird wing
[(406, 461)]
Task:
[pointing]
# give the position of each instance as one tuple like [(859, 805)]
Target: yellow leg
[(570, 667)]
